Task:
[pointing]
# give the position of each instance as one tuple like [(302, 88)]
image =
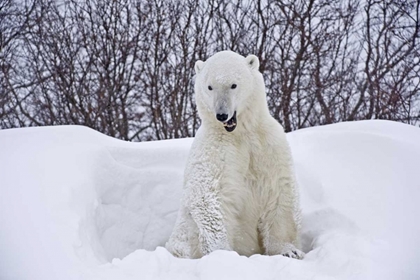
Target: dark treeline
[(125, 68)]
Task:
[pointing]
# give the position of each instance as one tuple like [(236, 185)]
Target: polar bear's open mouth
[(230, 125)]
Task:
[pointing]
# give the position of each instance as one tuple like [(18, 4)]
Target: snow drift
[(75, 204)]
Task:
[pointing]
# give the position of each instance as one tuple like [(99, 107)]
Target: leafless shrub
[(125, 68)]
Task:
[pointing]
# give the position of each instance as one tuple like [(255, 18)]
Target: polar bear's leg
[(212, 234), (279, 225), (278, 233), (179, 243)]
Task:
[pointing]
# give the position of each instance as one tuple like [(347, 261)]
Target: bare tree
[(126, 68), (14, 20)]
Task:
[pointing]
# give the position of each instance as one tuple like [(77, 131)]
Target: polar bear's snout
[(224, 109), (230, 124)]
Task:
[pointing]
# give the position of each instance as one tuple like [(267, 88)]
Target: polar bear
[(240, 191)]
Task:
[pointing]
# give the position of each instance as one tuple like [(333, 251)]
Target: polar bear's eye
[(210, 88), (233, 86)]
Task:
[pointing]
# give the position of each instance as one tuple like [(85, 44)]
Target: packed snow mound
[(75, 204)]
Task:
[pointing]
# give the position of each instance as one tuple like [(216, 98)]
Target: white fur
[(239, 191)]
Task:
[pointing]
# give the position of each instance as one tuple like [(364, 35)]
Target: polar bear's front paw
[(177, 249), (208, 247), (291, 251), (295, 254)]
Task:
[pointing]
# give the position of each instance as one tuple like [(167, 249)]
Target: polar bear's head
[(224, 86)]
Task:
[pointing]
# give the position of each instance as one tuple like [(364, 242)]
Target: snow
[(75, 204)]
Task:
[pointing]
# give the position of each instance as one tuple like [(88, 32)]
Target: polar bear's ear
[(198, 66), (253, 61)]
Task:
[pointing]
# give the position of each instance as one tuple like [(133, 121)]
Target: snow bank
[(75, 204)]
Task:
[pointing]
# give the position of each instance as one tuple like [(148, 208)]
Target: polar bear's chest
[(259, 167)]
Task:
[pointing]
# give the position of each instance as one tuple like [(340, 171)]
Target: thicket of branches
[(126, 68)]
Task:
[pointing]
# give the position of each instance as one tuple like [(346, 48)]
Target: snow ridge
[(75, 204)]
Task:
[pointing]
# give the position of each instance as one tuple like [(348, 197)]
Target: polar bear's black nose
[(222, 117)]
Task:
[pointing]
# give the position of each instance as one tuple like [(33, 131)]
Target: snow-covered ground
[(75, 204)]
